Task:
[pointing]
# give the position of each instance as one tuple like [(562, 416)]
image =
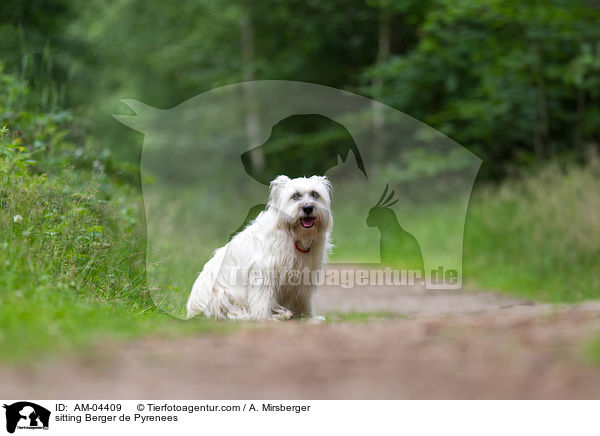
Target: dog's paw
[(283, 315)]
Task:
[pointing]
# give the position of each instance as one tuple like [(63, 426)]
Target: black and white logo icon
[(26, 415)]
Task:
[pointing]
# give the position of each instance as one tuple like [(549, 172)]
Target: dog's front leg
[(303, 306), (263, 305)]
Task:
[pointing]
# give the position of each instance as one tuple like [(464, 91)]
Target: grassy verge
[(46, 323), (538, 236), (72, 267), (68, 276)]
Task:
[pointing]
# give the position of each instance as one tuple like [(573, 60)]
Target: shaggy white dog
[(264, 272)]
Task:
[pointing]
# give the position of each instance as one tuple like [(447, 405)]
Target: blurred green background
[(515, 82)]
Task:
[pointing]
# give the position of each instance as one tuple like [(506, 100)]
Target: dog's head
[(303, 204)]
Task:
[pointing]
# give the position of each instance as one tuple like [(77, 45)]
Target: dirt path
[(450, 345)]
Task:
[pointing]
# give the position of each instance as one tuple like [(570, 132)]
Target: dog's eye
[(296, 196), (314, 194)]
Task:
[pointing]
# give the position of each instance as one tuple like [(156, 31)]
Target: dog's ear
[(325, 181), (276, 187)]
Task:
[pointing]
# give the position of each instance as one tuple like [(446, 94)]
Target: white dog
[(261, 274)]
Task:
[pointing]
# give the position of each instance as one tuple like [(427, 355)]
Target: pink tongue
[(307, 222)]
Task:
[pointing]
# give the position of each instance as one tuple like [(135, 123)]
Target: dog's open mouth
[(307, 222)]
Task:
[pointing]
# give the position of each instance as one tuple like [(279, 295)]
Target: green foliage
[(64, 223), (31, 136), (507, 79), (72, 265), (514, 81), (30, 34)]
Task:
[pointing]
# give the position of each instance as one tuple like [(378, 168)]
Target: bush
[(71, 255)]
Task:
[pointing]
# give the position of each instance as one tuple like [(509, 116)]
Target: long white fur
[(266, 247)]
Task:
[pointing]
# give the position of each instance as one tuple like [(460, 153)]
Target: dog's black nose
[(307, 210)]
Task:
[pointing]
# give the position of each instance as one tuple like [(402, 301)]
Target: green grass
[(591, 352), (46, 323), (72, 262), (537, 236)]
